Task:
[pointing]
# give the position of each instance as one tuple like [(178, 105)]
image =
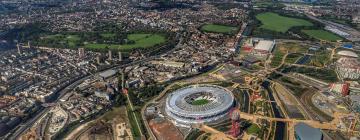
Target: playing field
[(140, 40), (322, 35), (215, 28), (200, 102), (275, 22)]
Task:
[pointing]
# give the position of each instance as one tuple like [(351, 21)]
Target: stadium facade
[(216, 104)]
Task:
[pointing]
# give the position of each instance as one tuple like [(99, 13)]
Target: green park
[(132, 41), (217, 28), (322, 35), (139, 40), (275, 22)]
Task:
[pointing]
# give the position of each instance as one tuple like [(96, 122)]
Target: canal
[(246, 102), (303, 59), (280, 126)]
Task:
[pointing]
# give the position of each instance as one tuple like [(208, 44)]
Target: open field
[(134, 41), (107, 35), (268, 4), (292, 58), (139, 41), (117, 113), (320, 58), (200, 102), (70, 40), (295, 51), (275, 22), (134, 128), (219, 28), (253, 129), (278, 56), (322, 35), (327, 75)]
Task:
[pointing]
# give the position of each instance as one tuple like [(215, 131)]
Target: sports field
[(322, 35), (216, 28), (275, 22), (140, 40), (200, 102)]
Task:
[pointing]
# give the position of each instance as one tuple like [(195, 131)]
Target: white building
[(347, 66), (263, 48)]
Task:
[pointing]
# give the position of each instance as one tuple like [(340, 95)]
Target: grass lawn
[(116, 112), (107, 35), (200, 102), (267, 4), (132, 120), (219, 28), (140, 41), (253, 129), (278, 56), (322, 35), (292, 58), (327, 75), (69, 39), (320, 58), (275, 22)]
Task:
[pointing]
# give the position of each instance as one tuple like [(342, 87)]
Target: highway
[(28, 124)]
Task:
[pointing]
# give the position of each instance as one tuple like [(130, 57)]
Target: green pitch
[(215, 28), (322, 35), (275, 22), (200, 102)]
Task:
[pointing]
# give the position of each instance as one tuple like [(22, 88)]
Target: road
[(24, 127), (28, 124), (354, 34), (309, 112)]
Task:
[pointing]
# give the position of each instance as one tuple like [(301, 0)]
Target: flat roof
[(265, 45), (107, 73)]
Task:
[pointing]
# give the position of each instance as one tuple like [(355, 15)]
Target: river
[(280, 126)]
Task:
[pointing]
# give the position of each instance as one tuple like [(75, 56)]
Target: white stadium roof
[(180, 109), (265, 45), (347, 53)]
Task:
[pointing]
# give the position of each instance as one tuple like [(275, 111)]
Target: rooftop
[(348, 53), (265, 45)]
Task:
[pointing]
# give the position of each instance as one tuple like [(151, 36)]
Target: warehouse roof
[(265, 45)]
